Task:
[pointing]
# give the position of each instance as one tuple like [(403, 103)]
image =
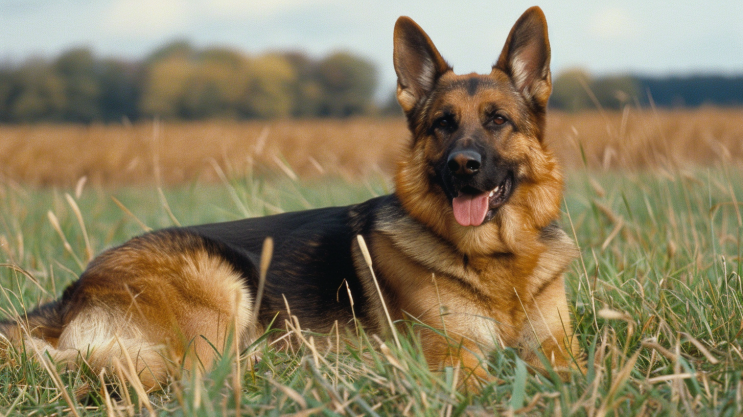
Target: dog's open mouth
[(474, 208)]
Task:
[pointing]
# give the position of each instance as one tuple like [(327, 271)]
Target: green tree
[(270, 87), (616, 91), (569, 91), (77, 70), (180, 81), (164, 86), (348, 83), (8, 89), (38, 94), (119, 90), (212, 89), (307, 90)]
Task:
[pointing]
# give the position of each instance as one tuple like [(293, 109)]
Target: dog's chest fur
[(429, 281)]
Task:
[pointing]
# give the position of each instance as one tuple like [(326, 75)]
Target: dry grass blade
[(615, 315), (80, 185), (368, 260), (666, 378), (266, 254), (701, 348), (130, 372), (237, 373), (130, 214), (294, 395), (166, 206), (55, 224), (651, 343), (16, 401), (617, 228), (47, 365), (285, 168), (390, 357), (620, 379), (106, 396), (25, 274), (79, 216), (233, 193)]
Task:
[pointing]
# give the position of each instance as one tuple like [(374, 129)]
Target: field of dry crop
[(172, 153)]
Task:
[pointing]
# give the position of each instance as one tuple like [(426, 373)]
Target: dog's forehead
[(475, 92)]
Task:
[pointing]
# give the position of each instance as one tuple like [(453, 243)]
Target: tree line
[(577, 90), (180, 81)]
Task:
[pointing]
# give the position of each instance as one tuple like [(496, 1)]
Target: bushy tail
[(96, 335), (44, 323)]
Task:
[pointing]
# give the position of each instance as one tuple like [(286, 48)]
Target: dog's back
[(179, 293)]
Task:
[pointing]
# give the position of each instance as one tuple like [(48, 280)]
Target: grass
[(657, 301)]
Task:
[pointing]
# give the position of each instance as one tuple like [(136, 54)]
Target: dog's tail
[(44, 323), (94, 335), (34, 334)]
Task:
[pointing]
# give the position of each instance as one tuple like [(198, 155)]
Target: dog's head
[(478, 172)]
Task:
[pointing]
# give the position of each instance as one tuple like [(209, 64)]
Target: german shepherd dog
[(467, 245)]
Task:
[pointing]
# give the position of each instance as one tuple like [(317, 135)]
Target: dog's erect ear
[(417, 63), (526, 57)]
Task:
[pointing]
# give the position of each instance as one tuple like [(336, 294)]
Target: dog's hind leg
[(158, 303)]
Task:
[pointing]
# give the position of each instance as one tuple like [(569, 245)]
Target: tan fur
[(159, 303), (496, 301)]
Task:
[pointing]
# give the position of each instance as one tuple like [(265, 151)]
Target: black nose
[(464, 162)]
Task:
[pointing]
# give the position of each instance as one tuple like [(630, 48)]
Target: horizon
[(617, 37)]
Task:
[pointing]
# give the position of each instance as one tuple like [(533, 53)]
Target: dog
[(467, 248)]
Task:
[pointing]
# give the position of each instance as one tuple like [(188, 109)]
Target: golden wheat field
[(176, 152)]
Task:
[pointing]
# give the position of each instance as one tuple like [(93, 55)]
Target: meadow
[(652, 199)]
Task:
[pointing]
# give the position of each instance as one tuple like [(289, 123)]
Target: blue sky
[(603, 37)]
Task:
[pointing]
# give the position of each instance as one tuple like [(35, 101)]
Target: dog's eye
[(445, 123), (499, 120)]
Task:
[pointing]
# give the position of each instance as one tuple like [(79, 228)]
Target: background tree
[(180, 81), (119, 83), (79, 75), (270, 87), (347, 83), (307, 91), (569, 91), (616, 91), (213, 87), (38, 93)]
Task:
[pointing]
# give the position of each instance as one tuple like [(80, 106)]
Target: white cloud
[(240, 9), (614, 23), (144, 19)]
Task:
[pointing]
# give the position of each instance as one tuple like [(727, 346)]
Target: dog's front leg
[(547, 329)]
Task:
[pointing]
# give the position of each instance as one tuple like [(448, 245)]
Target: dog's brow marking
[(472, 86)]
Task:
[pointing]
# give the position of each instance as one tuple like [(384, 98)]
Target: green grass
[(657, 299)]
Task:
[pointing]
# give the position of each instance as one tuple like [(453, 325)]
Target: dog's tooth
[(491, 193)]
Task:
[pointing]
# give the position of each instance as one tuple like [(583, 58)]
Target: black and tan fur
[(161, 295)]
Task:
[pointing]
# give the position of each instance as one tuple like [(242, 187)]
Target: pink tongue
[(470, 210)]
